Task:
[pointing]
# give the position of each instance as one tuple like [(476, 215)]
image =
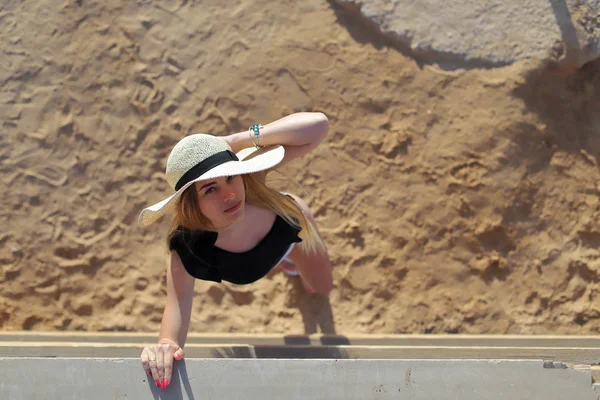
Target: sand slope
[(451, 202)]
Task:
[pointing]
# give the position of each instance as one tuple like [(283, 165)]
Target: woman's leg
[(314, 269)]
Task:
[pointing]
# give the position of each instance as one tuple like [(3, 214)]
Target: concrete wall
[(95, 379), (104, 365)]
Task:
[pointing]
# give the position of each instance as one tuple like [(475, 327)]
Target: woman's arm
[(299, 133), (178, 310)]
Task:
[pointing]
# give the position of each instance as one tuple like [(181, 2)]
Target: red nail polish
[(166, 382), (157, 382), (150, 373)]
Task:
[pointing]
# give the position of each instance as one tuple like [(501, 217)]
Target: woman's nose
[(228, 194)]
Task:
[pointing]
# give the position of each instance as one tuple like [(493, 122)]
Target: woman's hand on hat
[(157, 361)]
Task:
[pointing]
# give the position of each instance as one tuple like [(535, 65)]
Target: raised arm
[(299, 133)]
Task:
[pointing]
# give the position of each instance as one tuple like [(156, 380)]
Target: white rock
[(486, 33)]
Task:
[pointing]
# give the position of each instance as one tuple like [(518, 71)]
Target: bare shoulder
[(301, 203), (176, 270)]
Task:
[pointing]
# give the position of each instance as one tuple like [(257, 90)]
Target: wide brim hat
[(199, 157)]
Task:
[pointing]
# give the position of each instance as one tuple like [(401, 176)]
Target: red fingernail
[(157, 382), (150, 373), (166, 382)]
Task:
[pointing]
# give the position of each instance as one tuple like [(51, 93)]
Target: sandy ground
[(459, 201)]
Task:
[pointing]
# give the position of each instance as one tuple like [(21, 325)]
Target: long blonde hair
[(189, 216)]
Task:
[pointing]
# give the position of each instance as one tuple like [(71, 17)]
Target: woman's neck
[(231, 229), (237, 229), (254, 225)]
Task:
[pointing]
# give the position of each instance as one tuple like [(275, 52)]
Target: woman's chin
[(236, 215), (226, 219)]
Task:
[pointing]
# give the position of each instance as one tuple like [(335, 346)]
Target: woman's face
[(222, 200)]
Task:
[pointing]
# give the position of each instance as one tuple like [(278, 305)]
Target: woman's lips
[(234, 208)]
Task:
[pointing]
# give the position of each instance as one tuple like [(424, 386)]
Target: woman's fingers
[(157, 361), (154, 366), (172, 352), (165, 355), (179, 354), (160, 364), (168, 366), (145, 364), (149, 362)]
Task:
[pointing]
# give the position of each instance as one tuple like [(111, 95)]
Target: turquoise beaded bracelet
[(255, 136)]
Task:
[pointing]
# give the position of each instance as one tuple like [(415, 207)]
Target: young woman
[(228, 225)]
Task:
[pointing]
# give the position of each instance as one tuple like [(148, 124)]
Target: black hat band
[(204, 166)]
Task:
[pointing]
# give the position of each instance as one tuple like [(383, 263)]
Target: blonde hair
[(189, 216)]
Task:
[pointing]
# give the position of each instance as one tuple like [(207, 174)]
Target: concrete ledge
[(91, 379), (453, 340), (590, 341), (106, 365), (568, 349), (92, 350)]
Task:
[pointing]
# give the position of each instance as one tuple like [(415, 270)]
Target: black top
[(203, 260)]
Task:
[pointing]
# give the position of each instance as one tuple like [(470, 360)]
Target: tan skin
[(239, 230)]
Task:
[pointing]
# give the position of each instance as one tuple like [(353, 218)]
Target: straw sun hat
[(199, 157)]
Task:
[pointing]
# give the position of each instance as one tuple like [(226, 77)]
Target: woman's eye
[(209, 190), (230, 178)]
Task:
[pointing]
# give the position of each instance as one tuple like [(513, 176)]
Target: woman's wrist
[(168, 341), (293, 130)]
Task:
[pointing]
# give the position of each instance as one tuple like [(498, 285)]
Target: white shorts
[(287, 253)]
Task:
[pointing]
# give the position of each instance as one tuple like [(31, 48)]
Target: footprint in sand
[(305, 60), (233, 110), (241, 297), (11, 265), (146, 97), (216, 294), (469, 174), (141, 283), (289, 90), (54, 175), (236, 54), (360, 273), (31, 321), (69, 253)]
